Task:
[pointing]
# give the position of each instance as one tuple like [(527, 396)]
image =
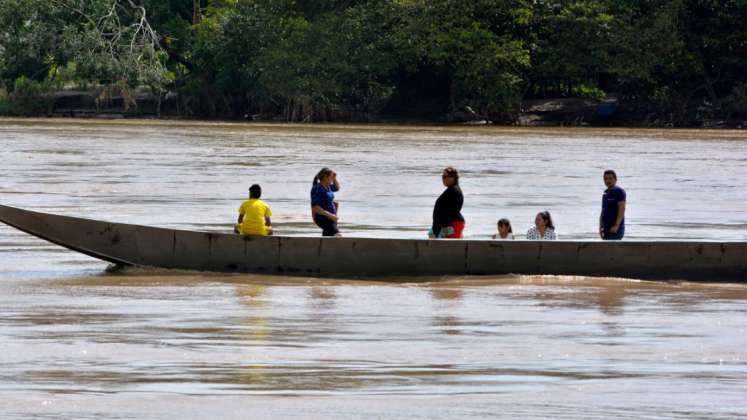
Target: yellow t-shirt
[(254, 211)]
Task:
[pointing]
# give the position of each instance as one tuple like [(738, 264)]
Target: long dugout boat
[(134, 245)]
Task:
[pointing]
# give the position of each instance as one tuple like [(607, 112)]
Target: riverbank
[(549, 112), (402, 131)]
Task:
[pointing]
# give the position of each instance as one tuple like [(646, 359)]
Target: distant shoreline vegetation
[(515, 62)]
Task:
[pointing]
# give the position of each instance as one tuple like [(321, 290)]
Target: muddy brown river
[(76, 342)]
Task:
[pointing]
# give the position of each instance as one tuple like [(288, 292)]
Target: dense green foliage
[(671, 61)]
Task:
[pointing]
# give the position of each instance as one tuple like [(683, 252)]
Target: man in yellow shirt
[(254, 215)]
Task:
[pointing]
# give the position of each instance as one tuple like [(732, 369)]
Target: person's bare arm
[(268, 222), (601, 225), (236, 226), (620, 217), (321, 212)]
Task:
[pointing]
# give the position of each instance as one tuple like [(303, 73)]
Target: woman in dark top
[(323, 204), (448, 221)]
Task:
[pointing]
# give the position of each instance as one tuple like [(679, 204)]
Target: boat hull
[(136, 245)]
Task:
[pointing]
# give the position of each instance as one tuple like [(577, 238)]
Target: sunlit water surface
[(77, 343)]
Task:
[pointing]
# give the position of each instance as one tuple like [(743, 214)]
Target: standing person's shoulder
[(619, 193), (318, 194)]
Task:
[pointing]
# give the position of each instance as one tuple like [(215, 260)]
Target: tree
[(680, 57), (110, 42), (571, 46), (470, 49)]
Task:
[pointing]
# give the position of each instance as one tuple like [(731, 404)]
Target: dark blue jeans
[(329, 227), (614, 236)]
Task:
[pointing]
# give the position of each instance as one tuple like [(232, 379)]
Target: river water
[(78, 343)]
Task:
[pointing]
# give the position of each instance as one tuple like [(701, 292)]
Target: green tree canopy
[(675, 61)]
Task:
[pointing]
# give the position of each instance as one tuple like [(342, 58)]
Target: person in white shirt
[(505, 231), (543, 229)]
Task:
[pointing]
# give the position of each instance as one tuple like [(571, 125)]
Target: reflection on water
[(526, 346), (446, 300), (141, 344)]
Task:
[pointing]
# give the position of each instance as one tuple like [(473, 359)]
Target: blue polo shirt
[(610, 200), (324, 197)]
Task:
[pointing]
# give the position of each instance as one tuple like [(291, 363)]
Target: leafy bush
[(736, 102), (29, 97)]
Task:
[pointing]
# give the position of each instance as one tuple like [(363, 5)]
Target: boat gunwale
[(402, 256)]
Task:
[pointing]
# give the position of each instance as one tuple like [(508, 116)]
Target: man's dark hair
[(255, 191), (610, 172)]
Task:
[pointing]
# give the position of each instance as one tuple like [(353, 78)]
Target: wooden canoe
[(128, 244)]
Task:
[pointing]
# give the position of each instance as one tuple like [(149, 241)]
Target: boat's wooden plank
[(369, 257)]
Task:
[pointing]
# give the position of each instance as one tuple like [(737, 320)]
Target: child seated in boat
[(505, 231), (254, 215)]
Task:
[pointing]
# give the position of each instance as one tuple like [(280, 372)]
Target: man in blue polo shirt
[(612, 219)]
